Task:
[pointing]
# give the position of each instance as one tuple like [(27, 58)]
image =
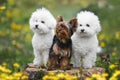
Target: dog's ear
[(59, 19), (73, 25)]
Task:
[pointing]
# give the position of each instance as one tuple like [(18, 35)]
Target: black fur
[(61, 45)]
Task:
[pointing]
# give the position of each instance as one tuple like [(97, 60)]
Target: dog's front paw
[(36, 64), (87, 66)]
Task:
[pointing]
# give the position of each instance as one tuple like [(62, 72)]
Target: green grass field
[(15, 34)]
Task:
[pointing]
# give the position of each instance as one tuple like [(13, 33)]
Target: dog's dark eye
[(80, 24), (87, 25), (42, 22)]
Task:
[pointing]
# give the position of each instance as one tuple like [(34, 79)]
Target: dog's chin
[(40, 31), (85, 35)]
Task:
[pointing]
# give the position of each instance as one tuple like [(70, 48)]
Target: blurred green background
[(15, 34)]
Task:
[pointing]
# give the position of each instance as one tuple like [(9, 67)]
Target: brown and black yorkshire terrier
[(61, 49)]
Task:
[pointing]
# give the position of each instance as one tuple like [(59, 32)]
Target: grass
[(15, 34)]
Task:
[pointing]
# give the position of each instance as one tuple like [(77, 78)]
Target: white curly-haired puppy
[(85, 42), (42, 24)]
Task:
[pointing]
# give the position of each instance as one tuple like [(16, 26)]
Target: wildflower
[(14, 42), (88, 78), (101, 37), (24, 77), (117, 72), (16, 14), (28, 37), (115, 49), (113, 78), (15, 26), (10, 77), (60, 75), (51, 73), (8, 14), (3, 76), (8, 71), (74, 78), (117, 35), (16, 65), (11, 2), (112, 66), (96, 76), (17, 75), (102, 44), (4, 64), (113, 53), (46, 77), (2, 8), (105, 75), (115, 75)]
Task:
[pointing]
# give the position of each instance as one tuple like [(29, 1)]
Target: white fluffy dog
[(85, 42), (42, 24)]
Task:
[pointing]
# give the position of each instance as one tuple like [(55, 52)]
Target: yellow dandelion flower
[(74, 77), (46, 77), (88, 78), (8, 71), (15, 26), (51, 73), (17, 75), (1, 67), (105, 75), (113, 53), (2, 8), (11, 2), (60, 75), (96, 76), (18, 45), (5, 70), (117, 72), (14, 42), (8, 14), (4, 64), (112, 66), (101, 37), (102, 44), (117, 35), (10, 77), (16, 65), (15, 34), (16, 14), (115, 48), (113, 78), (26, 28), (24, 77), (28, 37), (3, 76)]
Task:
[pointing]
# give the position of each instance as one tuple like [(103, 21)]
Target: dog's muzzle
[(82, 30), (36, 26)]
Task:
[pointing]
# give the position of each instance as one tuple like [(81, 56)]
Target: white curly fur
[(85, 42), (42, 24)]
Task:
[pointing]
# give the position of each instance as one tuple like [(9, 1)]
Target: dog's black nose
[(36, 26), (82, 30)]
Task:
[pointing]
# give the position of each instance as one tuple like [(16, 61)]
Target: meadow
[(15, 35)]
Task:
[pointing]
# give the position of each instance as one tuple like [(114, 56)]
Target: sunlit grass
[(15, 39)]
